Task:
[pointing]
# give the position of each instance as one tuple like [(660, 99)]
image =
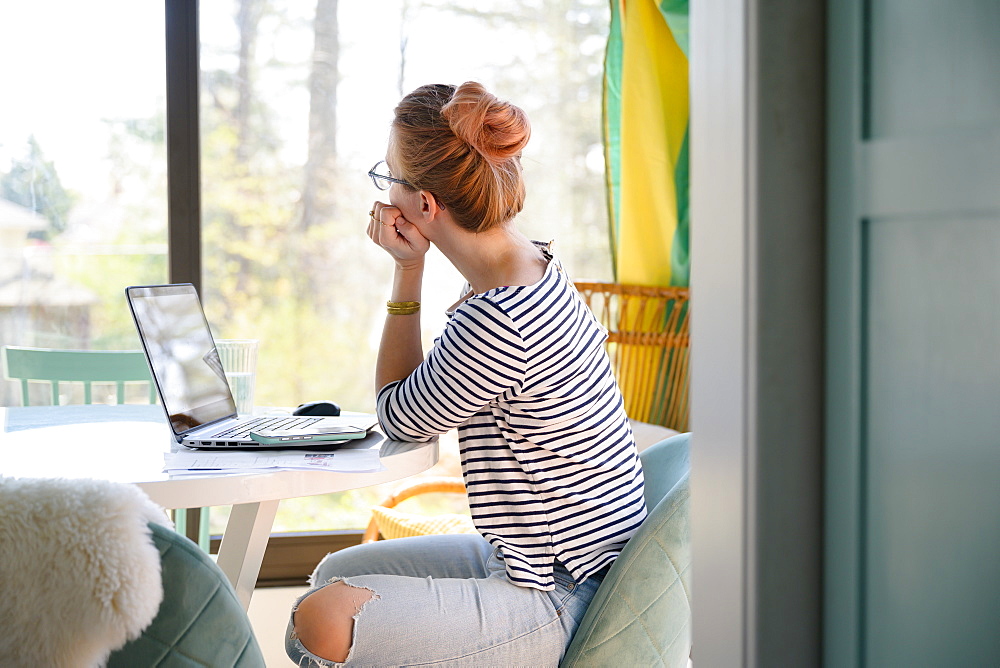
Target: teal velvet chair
[(91, 569), (641, 614), (200, 621)]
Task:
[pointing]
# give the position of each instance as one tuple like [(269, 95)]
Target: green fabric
[(676, 15), (200, 622), (612, 107), (641, 615), (680, 251), (663, 465)]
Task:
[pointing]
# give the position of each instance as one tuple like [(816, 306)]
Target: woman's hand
[(400, 351), (399, 237)]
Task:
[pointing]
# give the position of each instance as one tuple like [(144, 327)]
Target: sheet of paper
[(215, 474), (351, 460)]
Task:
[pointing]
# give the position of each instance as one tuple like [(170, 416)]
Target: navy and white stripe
[(548, 456)]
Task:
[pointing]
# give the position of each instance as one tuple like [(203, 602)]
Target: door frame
[(758, 95)]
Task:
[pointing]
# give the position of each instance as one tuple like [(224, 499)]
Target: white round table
[(127, 444)]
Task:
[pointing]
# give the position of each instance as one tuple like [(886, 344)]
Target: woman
[(549, 462)]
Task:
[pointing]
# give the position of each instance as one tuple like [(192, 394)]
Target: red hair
[(464, 146)]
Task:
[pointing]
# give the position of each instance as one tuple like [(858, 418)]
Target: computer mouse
[(317, 408)]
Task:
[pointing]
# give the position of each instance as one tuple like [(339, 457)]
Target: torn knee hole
[(324, 619)]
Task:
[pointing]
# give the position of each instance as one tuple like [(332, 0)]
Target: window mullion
[(183, 142)]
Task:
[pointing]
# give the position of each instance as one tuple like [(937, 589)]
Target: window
[(82, 174)]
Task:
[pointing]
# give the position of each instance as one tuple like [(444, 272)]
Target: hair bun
[(497, 130)]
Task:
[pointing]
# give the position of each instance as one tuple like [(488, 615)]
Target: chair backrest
[(200, 621), (641, 614), (663, 466), (80, 366), (648, 343), (90, 568), (78, 571)]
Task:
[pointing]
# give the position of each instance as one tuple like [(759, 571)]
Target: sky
[(90, 77), (105, 60)]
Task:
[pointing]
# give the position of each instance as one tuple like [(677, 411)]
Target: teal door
[(912, 556)]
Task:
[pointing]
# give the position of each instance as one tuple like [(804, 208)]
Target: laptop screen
[(182, 355)]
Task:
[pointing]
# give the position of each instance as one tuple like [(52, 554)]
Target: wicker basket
[(425, 486)]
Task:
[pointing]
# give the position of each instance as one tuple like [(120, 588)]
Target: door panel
[(913, 443), (932, 66), (933, 387)]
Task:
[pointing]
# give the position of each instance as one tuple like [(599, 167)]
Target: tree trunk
[(247, 18), (318, 190)]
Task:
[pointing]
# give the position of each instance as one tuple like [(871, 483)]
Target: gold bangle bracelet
[(402, 308)]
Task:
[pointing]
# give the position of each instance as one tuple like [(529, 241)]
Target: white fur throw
[(79, 574)]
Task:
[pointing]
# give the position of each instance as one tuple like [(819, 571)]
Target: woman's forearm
[(400, 350)]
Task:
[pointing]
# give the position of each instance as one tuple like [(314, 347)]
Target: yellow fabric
[(395, 524), (654, 111)]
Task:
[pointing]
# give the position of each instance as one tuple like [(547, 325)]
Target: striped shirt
[(548, 457)]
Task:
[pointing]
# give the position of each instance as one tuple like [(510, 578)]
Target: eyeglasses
[(384, 181)]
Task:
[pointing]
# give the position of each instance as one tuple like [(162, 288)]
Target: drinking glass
[(239, 361)]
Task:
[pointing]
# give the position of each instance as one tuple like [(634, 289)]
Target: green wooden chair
[(76, 366), (56, 366)]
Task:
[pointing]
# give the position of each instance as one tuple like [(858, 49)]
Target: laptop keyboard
[(243, 429)]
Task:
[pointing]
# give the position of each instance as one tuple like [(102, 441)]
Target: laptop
[(192, 385)]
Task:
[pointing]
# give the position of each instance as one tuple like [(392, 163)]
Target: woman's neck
[(499, 257)]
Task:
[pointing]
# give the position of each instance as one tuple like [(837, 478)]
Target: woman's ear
[(429, 205)]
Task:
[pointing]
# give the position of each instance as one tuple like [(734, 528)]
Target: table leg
[(243, 545)]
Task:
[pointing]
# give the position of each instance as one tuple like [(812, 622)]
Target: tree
[(320, 169), (248, 16), (33, 183)]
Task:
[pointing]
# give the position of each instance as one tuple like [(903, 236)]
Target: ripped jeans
[(446, 601)]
